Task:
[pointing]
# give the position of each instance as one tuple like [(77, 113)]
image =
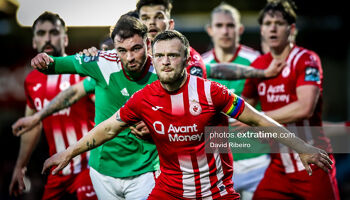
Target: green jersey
[(244, 56), (125, 155)]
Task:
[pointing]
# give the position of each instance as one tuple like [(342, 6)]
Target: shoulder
[(35, 76), (249, 53), (306, 57), (110, 55), (208, 56)]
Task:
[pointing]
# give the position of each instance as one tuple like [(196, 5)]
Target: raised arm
[(308, 154), (102, 133), (27, 146), (63, 100), (233, 71)]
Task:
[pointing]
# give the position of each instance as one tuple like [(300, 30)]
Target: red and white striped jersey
[(303, 68), (67, 126), (176, 122)]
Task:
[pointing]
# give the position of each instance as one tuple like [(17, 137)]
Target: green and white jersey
[(125, 155), (244, 56)]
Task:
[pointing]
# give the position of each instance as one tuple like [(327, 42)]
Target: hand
[(41, 61), (92, 51), (17, 185), (140, 131), (60, 160), (315, 156), (25, 124), (274, 68)]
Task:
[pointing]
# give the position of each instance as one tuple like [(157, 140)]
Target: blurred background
[(321, 24)]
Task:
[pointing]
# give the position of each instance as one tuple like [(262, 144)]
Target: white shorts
[(129, 188), (248, 173)]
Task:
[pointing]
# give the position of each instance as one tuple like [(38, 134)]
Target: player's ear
[(65, 39), (209, 30), (241, 29), (34, 44), (171, 24)]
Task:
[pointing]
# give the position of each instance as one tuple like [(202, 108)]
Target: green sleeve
[(89, 84), (75, 64)]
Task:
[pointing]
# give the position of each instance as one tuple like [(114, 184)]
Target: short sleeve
[(225, 101), (89, 84), (130, 112), (309, 70)]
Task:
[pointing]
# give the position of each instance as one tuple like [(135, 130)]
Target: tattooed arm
[(63, 100), (233, 71), (102, 133)]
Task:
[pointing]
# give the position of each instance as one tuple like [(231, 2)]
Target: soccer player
[(176, 108), (156, 15), (123, 168), (62, 129), (293, 98), (225, 29)]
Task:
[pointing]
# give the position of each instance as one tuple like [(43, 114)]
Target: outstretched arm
[(233, 71), (27, 146), (63, 100), (102, 133), (308, 154)]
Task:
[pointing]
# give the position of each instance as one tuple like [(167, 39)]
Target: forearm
[(252, 117), (27, 146), (102, 133), (290, 113), (63, 100), (233, 71)]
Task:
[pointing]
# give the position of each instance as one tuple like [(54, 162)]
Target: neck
[(171, 87), (225, 55), (281, 53)]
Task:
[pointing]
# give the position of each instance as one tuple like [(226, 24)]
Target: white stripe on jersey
[(219, 172), (60, 146), (192, 90), (300, 165), (51, 83), (207, 85), (76, 78), (177, 104), (72, 139), (188, 181), (203, 168), (249, 54), (291, 56), (108, 67), (297, 58), (207, 57)]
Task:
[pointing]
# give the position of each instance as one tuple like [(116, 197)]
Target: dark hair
[(171, 34), (127, 27), (51, 17), (286, 7), (166, 3), (133, 13)]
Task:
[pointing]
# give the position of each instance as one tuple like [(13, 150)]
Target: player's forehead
[(173, 45), (149, 10), (128, 43), (223, 18), (273, 16), (47, 25)]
